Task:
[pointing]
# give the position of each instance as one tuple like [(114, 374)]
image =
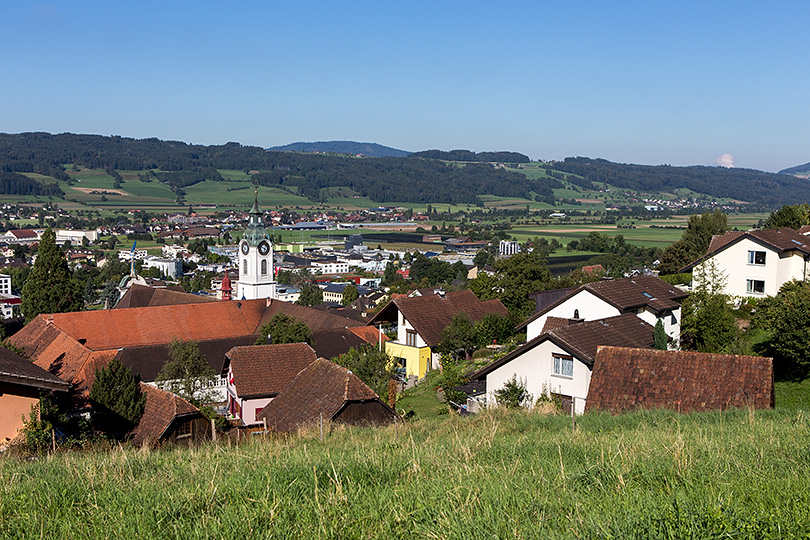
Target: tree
[(793, 216), (513, 394), (311, 295), (116, 397), (787, 317), (49, 287), (660, 336), (373, 366), (284, 329), (517, 277), (459, 338), (350, 294), (708, 323), (494, 328), (187, 373), (694, 242)]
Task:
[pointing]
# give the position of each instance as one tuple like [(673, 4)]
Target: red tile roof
[(265, 370), (322, 388), (627, 378), (162, 408), (430, 314)]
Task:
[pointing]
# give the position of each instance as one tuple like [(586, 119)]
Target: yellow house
[(420, 321)]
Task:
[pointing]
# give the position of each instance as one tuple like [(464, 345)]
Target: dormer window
[(756, 257)]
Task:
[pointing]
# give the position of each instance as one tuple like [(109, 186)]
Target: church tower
[(256, 276)]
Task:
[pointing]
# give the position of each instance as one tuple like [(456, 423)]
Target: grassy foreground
[(739, 474)]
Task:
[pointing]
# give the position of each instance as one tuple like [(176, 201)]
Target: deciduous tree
[(284, 329), (187, 373)]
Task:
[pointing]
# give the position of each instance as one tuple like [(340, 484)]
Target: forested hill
[(799, 169), (342, 147), (466, 155), (750, 185), (379, 179)]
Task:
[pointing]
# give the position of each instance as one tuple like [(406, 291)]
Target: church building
[(256, 275)]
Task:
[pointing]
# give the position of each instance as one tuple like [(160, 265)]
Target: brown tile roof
[(142, 296), (265, 370), (322, 388), (780, 240), (162, 408), (315, 319), (625, 294), (369, 334), (553, 323), (582, 339), (626, 378), (17, 370), (430, 314)]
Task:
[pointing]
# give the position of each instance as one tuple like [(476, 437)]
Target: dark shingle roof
[(265, 370), (17, 370), (780, 240), (582, 340), (162, 408), (628, 378), (323, 387), (142, 296), (625, 294), (430, 314)]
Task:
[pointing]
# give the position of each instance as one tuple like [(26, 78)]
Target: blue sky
[(638, 82)]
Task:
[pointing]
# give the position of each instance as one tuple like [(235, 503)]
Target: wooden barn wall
[(366, 412)]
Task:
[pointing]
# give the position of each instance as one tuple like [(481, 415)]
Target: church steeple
[(255, 231), (256, 272)]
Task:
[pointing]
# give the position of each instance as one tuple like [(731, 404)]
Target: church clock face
[(245, 248), (264, 247)]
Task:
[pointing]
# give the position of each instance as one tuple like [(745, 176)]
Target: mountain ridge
[(368, 149)]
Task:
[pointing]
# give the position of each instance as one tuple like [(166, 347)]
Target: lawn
[(500, 474)]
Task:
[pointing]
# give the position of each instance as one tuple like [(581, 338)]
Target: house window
[(410, 338), (755, 286), (264, 268), (756, 257), (563, 366)]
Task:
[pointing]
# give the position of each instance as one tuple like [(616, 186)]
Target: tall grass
[(739, 474)]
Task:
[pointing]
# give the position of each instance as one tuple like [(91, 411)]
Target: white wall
[(733, 263), (535, 368), (403, 325), (671, 320), (590, 308)]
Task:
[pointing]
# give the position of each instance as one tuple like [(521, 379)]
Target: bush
[(513, 395)]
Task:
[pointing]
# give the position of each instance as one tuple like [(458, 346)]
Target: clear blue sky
[(640, 82)]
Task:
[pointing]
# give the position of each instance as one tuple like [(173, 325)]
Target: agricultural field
[(500, 474)]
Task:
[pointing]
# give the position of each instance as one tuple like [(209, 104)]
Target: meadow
[(500, 474)]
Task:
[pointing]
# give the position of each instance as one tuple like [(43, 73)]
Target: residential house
[(20, 385), (257, 374), (420, 321), (168, 418), (22, 236), (625, 379), (754, 263), (559, 361), (9, 303), (333, 292), (648, 297), (329, 391)]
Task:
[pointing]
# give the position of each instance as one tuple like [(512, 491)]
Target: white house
[(558, 362), (648, 297), (754, 263), (168, 267)]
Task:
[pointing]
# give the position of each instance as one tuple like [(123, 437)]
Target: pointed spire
[(256, 209)]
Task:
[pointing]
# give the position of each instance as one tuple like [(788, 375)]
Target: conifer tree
[(660, 336), (117, 400), (49, 287)]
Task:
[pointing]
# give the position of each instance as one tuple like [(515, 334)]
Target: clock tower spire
[(256, 275)]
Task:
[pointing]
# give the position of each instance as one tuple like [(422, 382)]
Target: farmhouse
[(257, 374), (324, 388), (754, 263), (169, 418)]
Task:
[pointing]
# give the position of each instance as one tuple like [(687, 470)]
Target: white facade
[(169, 267), (753, 269), (173, 252), (75, 237), (535, 368), (128, 254), (244, 409), (589, 307), (508, 247), (5, 284), (331, 267), (256, 273)]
